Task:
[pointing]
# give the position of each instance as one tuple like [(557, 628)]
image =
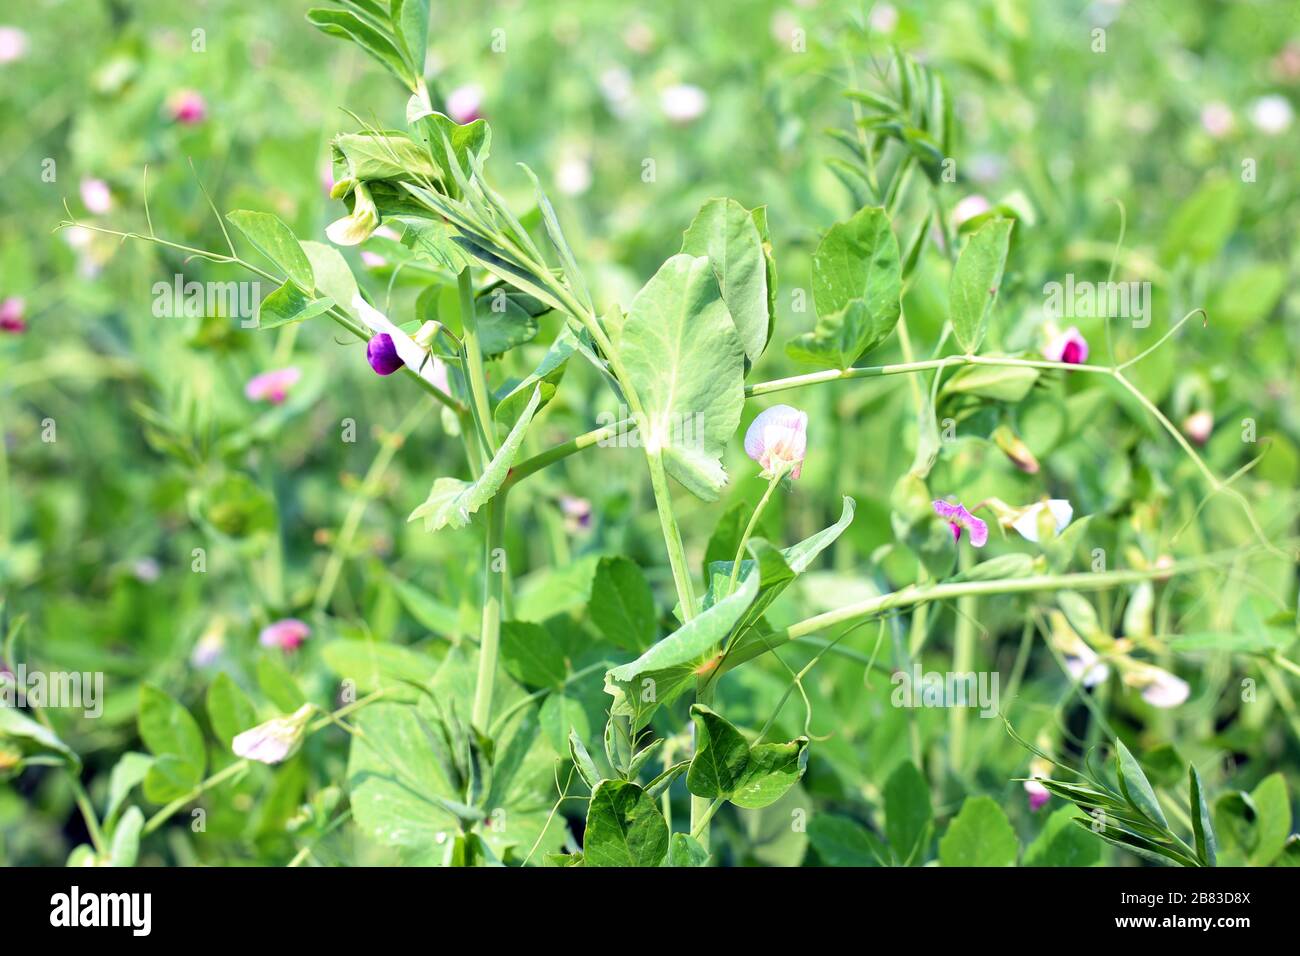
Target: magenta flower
[(187, 106), (382, 355), (1039, 769), (272, 386), (959, 518), (464, 103), (1069, 347), (11, 315), (778, 440), (286, 634)]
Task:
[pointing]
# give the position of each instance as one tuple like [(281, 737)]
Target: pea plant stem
[(749, 529), (475, 372), (963, 656), (493, 598)]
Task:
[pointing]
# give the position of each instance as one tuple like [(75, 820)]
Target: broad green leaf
[(390, 155), (469, 143), (685, 362), (840, 338), (427, 610), (1001, 383), (975, 280), (376, 665), (277, 242), (1272, 819), (622, 604), (858, 260), (278, 684), (1061, 843), (411, 20), (1202, 225), (770, 772), (565, 712), (1135, 786), (726, 232), (288, 304), (15, 725), (334, 280), (128, 773), (436, 242), (531, 654), (169, 778), (167, 728), (229, 710), (347, 25), (572, 274), (125, 849), (1202, 825), (452, 501), (624, 827), (721, 755), (503, 323), (996, 569), (513, 396), (907, 813), (840, 841), (581, 758), (685, 850), (979, 835), (671, 665)]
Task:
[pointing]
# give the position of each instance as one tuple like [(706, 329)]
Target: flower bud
[(356, 228), (276, 740), (1015, 449), (382, 355)]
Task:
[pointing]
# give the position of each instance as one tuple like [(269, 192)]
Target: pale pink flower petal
[(286, 634), (969, 208), (96, 196), (778, 440), (272, 386), (13, 44), (464, 103), (275, 740), (187, 107), (1198, 426)]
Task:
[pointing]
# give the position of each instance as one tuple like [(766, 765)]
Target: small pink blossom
[(1084, 665), (272, 386), (968, 208), (12, 317), (286, 634), (372, 260), (1159, 687), (13, 44), (577, 513), (187, 107), (96, 196), (274, 741), (778, 440), (959, 518), (1039, 769), (465, 103), (1069, 347), (1198, 426), (327, 176), (1217, 119)]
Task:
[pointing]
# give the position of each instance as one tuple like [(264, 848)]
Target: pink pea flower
[(382, 355), (778, 440), (274, 741), (272, 386), (187, 107), (464, 103), (1198, 426), (372, 260), (1038, 794), (286, 634), (1069, 347), (968, 208), (1084, 665), (959, 518), (13, 44), (327, 176), (1217, 119), (11, 315), (577, 513), (96, 196), (1159, 687)]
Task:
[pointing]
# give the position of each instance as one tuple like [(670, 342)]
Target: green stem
[(702, 808), (493, 597), (474, 370), (749, 529), (963, 655), (672, 535)]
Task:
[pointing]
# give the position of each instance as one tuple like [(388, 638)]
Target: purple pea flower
[(1069, 347), (382, 355), (959, 518), (11, 315)]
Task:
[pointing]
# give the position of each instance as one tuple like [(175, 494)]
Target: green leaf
[(468, 144), (436, 242), (726, 232), (996, 569), (377, 665), (451, 501), (1202, 825), (531, 654), (15, 725), (411, 20), (685, 850), (349, 26), (125, 849), (858, 260), (581, 758), (503, 323), (907, 813), (229, 709), (1060, 843), (624, 827), (288, 304), (771, 771), (279, 685), (1002, 383), (334, 280), (721, 755), (512, 398), (1272, 819), (840, 841), (572, 274), (1136, 788), (167, 729), (128, 773), (1204, 223), (684, 360), (841, 338), (622, 604), (667, 668), (387, 155), (277, 242), (975, 280), (980, 835), (169, 778)]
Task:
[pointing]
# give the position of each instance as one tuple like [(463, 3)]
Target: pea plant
[(490, 755)]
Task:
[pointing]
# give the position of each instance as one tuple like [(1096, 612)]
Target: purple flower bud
[(382, 355), (959, 518)]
